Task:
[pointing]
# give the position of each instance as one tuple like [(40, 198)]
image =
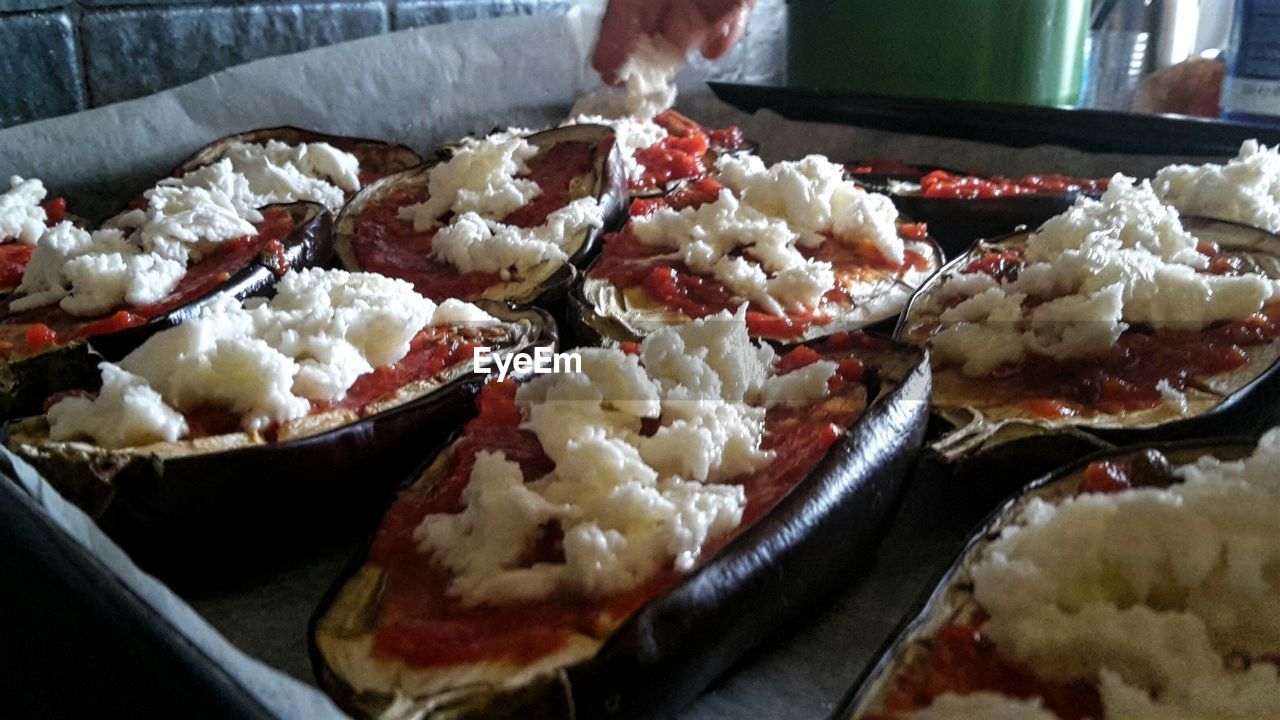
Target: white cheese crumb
[(1098, 268), (1152, 593), (473, 243), (254, 175), (982, 706), (815, 199), (22, 219), (628, 504), (1172, 397), (631, 134), (648, 76), (481, 177), (798, 387), (126, 412), (267, 360), (1245, 190)]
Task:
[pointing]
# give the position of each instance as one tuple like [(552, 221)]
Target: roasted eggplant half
[(219, 493), (673, 636), (377, 159), (635, 288), (47, 350), (572, 162), (1156, 382), (946, 652)]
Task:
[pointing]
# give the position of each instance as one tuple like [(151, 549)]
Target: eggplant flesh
[(548, 282), (224, 498), (676, 644), (603, 310), (377, 159), (28, 381), (951, 599), (984, 428)]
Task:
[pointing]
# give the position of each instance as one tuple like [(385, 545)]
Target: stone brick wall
[(58, 57)]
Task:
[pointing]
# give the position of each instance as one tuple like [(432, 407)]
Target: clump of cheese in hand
[(1154, 594), (22, 219), (814, 198), (1245, 190), (267, 361), (1095, 269), (482, 177), (628, 503), (648, 78)]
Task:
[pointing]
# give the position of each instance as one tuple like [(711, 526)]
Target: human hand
[(1192, 87), (713, 26)]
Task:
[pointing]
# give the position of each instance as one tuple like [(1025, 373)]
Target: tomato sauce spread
[(627, 263), (14, 256), (384, 243), (30, 332), (1126, 378), (419, 624), (942, 184), (683, 154)]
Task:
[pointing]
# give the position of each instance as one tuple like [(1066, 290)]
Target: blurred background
[(58, 57)]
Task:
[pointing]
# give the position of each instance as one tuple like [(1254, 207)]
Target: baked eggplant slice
[(47, 350), (377, 159), (637, 287), (944, 647), (961, 208), (1045, 411), (571, 163), (220, 492), (678, 633)]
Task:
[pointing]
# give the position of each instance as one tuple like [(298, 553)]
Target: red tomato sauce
[(384, 243), (420, 625), (1126, 377), (29, 332), (627, 263), (963, 661), (684, 154), (942, 184)]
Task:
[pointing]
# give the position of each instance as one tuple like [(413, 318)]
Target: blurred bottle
[(1130, 39), (1251, 90), (1012, 51)]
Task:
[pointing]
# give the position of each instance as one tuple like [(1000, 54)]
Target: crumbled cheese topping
[(22, 218), (482, 177), (631, 134), (816, 200), (983, 706), (1098, 267), (263, 360), (1167, 598), (648, 76), (478, 187), (1245, 190), (628, 503), (257, 174)]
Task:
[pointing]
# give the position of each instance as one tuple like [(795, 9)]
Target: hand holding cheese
[(712, 26)]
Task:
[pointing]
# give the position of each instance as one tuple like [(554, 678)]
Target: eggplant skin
[(957, 222), (610, 188), (220, 507), (376, 157), (772, 573), (951, 596)]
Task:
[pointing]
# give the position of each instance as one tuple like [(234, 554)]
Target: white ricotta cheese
[(1098, 268), (126, 412), (816, 200), (1245, 190), (982, 706), (648, 76), (1156, 595), (22, 219), (628, 504), (482, 177), (268, 360), (473, 243)]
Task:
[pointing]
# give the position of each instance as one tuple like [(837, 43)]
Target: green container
[(1009, 51)]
